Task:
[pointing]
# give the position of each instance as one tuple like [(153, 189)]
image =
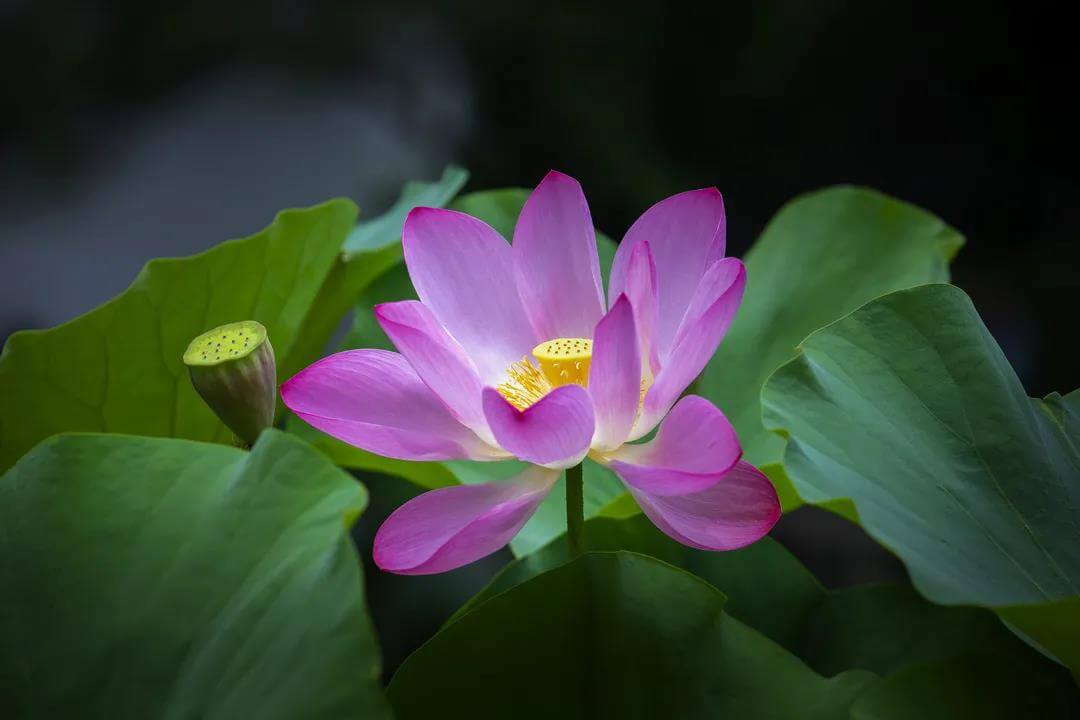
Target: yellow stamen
[(525, 384), (562, 361)]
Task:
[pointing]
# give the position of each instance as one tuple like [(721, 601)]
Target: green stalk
[(575, 511)]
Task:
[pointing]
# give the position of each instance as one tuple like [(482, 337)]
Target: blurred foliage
[(955, 111)]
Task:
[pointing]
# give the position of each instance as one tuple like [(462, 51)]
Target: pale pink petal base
[(694, 449), (736, 511), (373, 399), (446, 528), (554, 432)]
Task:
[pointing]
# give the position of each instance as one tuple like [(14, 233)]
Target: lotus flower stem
[(575, 510)]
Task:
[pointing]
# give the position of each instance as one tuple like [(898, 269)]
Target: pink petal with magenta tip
[(615, 376), (464, 272), (554, 432), (641, 290), (695, 447), (685, 232), (556, 262), (453, 526), (373, 399), (736, 511)]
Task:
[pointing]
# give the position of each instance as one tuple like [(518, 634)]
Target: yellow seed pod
[(565, 360)]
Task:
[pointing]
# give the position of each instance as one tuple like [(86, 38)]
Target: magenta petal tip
[(735, 512)]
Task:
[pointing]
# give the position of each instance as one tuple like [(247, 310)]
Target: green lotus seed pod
[(232, 367)]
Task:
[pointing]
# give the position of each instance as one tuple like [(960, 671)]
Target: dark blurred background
[(135, 129)]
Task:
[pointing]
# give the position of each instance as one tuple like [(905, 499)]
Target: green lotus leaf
[(908, 408), (612, 635), (119, 367), (163, 578), (823, 255)]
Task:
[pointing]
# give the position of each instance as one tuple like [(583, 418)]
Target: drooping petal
[(615, 376), (641, 290), (708, 317), (373, 399), (453, 526), (438, 359), (685, 232), (695, 447), (556, 262), (736, 511), (464, 272), (554, 432)]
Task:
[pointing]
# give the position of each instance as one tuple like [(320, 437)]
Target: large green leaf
[(822, 256), (880, 628), (908, 407), (118, 368), (612, 635), (161, 578)]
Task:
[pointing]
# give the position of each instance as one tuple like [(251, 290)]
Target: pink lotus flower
[(510, 353)]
